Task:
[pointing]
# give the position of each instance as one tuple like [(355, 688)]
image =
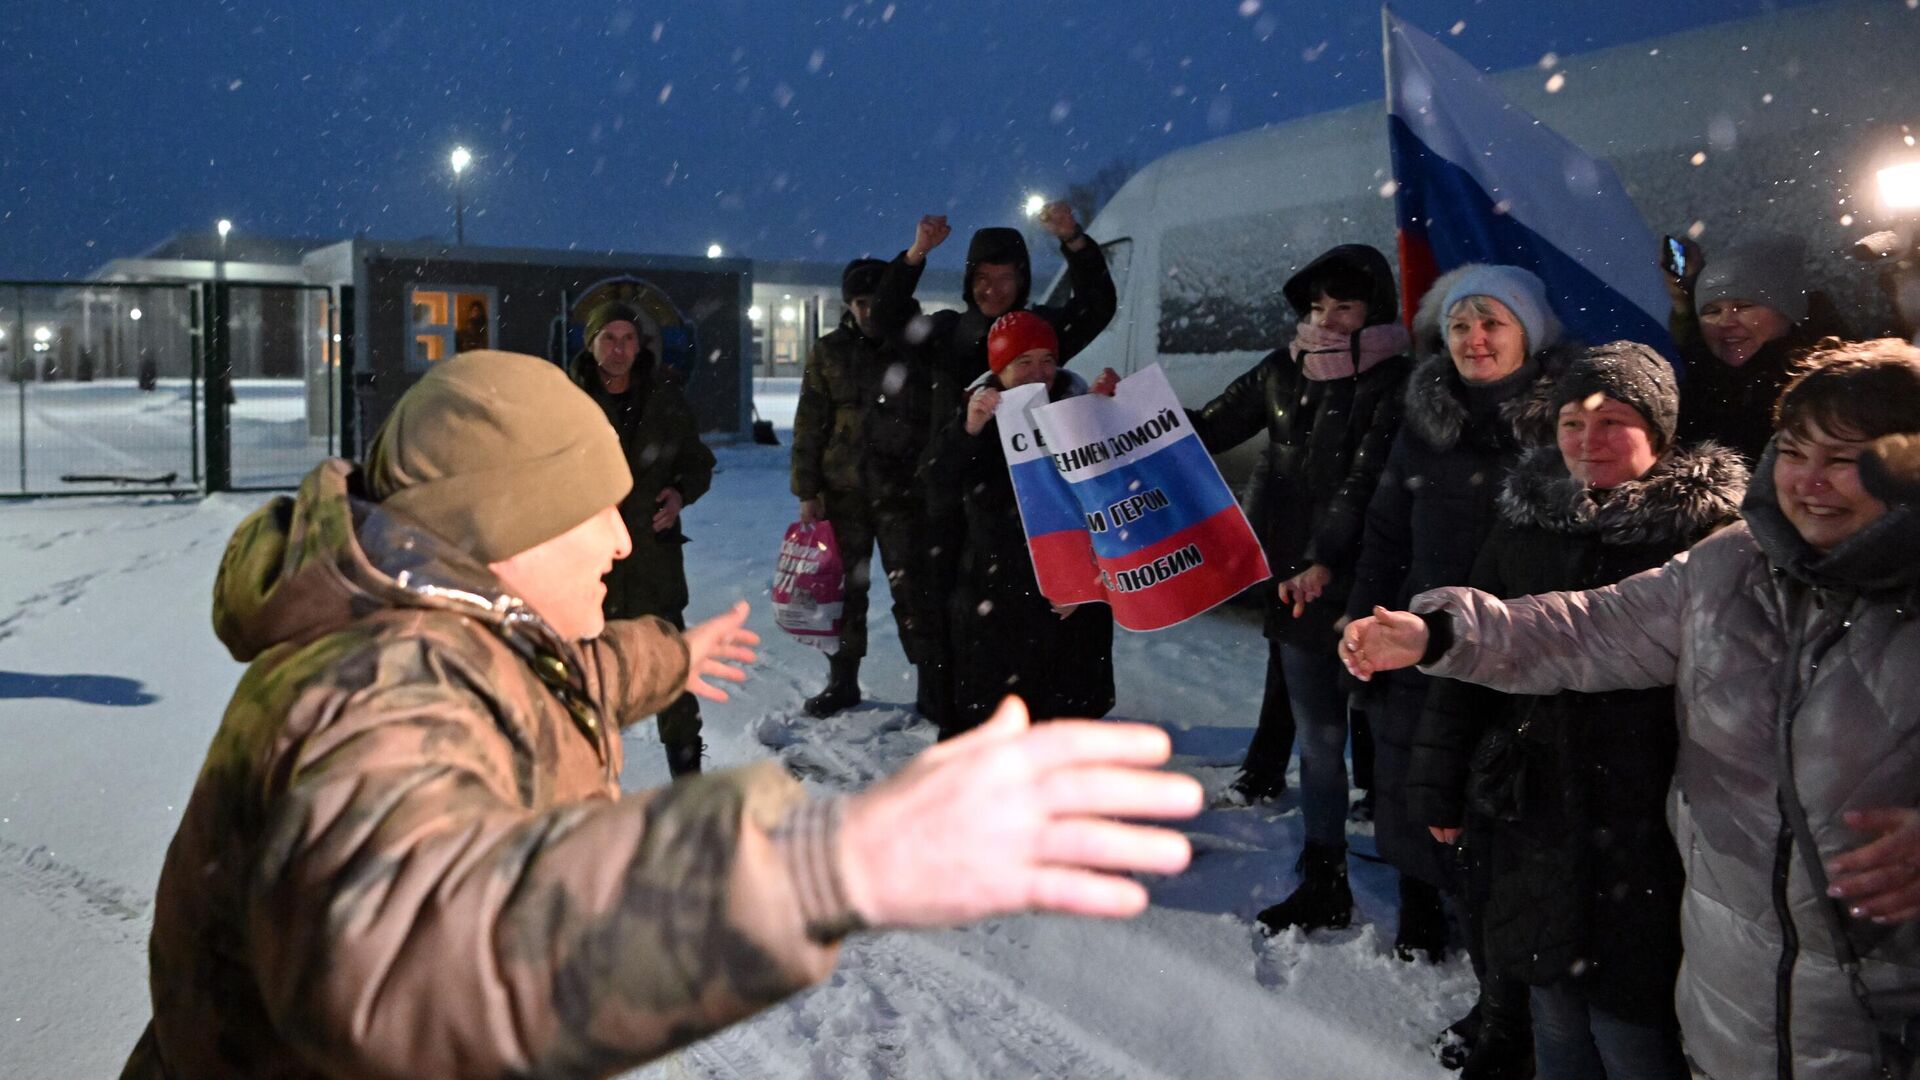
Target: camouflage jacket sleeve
[(635, 668), (812, 425), (428, 902)]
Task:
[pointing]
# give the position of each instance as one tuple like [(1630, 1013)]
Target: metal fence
[(165, 387)]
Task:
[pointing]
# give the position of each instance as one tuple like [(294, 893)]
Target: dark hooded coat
[(1327, 443), (661, 440), (954, 343), (1588, 880)]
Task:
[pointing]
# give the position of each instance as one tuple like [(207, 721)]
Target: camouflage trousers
[(858, 525)]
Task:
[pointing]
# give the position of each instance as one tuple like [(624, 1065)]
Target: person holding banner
[(1486, 338), (1007, 637), (1329, 404), (953, 347)]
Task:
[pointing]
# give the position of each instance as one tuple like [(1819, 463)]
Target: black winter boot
[(1322, 902), (1423, 922), (933, 692), (1251, 788), (1503, 1047), (1454, 1045), (843, 688), (683, 759)]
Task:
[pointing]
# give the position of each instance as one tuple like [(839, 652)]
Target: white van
[(1768, 124)]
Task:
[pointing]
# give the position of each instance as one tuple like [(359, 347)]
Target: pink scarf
[(1326, 354)]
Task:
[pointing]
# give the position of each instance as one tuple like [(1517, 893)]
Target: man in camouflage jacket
[(858, 434), (407, 854)]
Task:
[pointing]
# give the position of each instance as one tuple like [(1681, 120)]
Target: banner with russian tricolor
[(1477, 179), (1123, 505)]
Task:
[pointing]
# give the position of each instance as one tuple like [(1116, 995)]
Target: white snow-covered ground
[(111, 684)]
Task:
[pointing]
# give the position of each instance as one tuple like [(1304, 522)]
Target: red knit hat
[(1016, 334)]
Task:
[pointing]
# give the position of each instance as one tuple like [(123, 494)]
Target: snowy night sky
[(800, 129)]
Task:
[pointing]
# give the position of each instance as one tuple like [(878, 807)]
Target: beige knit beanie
[(497, 452)]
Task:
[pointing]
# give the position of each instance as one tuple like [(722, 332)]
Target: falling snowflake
[(1557, 80)]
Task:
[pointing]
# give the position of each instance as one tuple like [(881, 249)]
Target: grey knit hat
[(1771, 272), (1518, 289), (1629, 372)]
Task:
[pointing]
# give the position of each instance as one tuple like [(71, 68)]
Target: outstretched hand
[(1880, 879), (711, 644), (1383, 641), (1010, 818)]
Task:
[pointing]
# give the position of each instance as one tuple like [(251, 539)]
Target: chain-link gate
[(104, 388), (111, 386)]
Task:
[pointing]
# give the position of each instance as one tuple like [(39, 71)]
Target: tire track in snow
[(113, 912), (901, 1005)]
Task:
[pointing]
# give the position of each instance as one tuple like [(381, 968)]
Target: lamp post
[(459, 159)]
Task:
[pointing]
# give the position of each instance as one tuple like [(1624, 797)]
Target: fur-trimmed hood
[(1689, 492)]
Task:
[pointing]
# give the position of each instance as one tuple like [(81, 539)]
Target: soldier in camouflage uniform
[(857, 439), (407, 854), (671, 469)]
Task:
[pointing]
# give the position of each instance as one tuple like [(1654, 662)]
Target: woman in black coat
[(1564, 808), (1329, 404), (1007, 637), (1486, 340)]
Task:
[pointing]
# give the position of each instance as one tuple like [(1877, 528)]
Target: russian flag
[(1477, 179)]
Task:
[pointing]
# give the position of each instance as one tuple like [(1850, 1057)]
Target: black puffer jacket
[(1588, 881), (1006, 637), (1327, 442), (1433, 509)]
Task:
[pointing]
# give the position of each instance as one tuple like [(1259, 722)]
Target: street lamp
[(459, 159), (134, 314), (1900, 186), (714, 251)]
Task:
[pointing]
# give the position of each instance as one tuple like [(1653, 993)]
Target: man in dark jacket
[(671, 469), (857, 439), (953, 346)]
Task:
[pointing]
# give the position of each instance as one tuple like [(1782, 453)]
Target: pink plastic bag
[(809, 585)]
